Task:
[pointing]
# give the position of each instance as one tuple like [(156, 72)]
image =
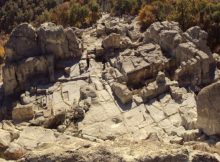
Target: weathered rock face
[(18, 75), (22, 43), (208, 101), (116, 41), (5, 139), (31, 52), (57, 41), (122, 92), (198, 37), (189, 52)]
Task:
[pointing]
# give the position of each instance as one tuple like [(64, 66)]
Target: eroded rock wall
[(34, 52)]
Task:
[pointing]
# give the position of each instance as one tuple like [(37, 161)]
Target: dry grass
[(3, 40), (2, 51)]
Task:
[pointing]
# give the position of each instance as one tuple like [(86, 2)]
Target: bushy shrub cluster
[(84, 13), (13, 12), (204, 13), (74, 12)]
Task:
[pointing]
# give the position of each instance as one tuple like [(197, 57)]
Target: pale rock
[(116, 41), (217, 145), (198, 37), (208, 109), (190, 135), (122, 92), (5, 139), (31, 137), (171, 109), (137, 99), (134, 35), (35, 52), (176, 140), (176, 120), (61, 128), (22, 43), (153, 89), (156, 114), (177, 93)]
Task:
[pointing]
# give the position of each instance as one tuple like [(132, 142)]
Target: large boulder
[(5, 139), (19, 76), (23, 113), (61, 43), (208, 101), (34, 52), (22, 43), (116, 41), (122, 92), (198, 37)]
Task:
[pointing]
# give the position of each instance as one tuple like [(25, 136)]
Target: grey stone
[(208, 109)]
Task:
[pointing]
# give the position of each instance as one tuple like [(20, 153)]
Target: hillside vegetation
[(84, 13)]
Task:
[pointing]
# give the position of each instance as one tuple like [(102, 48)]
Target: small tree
[(78, 15), (146, 16)]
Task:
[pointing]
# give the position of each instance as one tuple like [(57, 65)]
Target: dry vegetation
[(84, 13), (3, 39)]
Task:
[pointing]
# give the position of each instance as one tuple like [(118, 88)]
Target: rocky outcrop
[(116, 41), (122, 92), (189, 52), (62, 43), (5, 139), (198, 37), (17, 75), (208, 101), (141, 92), (141, 64), (31, 52)]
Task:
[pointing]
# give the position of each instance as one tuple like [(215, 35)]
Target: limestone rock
[(154, 89), (5, 139), (22, 43), (208, 109), (14, 152), (36, 52), (116, 41), (122, 92), (198, 37), (31, 137), (17, 76), (195, 65), (52, 38), (23, 113)]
